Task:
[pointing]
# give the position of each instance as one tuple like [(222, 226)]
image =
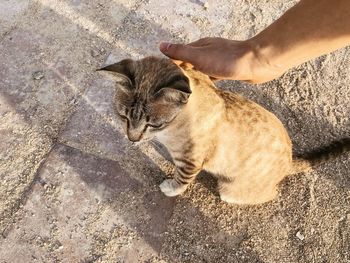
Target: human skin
[(308, 30)]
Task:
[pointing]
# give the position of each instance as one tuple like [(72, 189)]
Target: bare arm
[(309, 29)]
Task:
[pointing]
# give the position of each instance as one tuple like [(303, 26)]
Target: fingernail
[(164, 46)]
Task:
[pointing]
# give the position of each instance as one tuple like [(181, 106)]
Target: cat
[(205, 128)]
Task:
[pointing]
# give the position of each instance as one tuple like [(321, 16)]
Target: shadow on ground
[(74, 189)]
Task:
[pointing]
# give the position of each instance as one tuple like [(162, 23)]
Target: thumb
[(177, 51)]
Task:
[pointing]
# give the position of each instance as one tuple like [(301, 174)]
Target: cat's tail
[(313, 159)]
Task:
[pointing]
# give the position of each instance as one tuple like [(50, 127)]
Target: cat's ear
[(176, 89), (124, 69), (172, 95)]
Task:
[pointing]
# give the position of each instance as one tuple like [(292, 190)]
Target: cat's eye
[(154, 126), (124, 118)]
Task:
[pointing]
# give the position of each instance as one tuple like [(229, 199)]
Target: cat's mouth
[(140, 141)]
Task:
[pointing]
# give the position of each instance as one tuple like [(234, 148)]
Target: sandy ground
[(73, 189)]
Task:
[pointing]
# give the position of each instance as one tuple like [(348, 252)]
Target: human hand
[(224, 59)]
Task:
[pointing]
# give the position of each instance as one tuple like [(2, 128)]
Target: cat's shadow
[(145, 209), (146, 200)]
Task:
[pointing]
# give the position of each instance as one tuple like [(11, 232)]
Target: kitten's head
[(150, 94)]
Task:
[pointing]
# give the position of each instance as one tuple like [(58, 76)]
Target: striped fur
[(245, 146)]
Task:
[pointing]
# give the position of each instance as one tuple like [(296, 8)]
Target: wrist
[(265, 64)]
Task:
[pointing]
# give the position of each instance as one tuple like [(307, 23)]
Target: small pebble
[(94, 53), (38, 75), (300, 236), (206, 5)]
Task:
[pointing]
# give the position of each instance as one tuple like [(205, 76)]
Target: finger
[(200, 42), (214, 78), (177, 51)]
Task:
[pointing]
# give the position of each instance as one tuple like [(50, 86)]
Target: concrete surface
[(73, 189)]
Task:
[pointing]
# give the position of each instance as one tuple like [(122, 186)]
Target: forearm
[(309, 29)]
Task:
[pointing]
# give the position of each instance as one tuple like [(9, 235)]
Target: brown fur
[(245, 146)]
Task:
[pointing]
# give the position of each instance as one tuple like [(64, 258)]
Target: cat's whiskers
[(136, 144)]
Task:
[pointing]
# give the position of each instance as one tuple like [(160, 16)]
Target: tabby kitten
[(204, 128)]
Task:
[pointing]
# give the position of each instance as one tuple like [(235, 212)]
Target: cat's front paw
[(171, 188)]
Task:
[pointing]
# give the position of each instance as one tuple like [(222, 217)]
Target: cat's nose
[(134, 137)]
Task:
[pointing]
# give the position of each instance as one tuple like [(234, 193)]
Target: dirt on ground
[(73, 189)]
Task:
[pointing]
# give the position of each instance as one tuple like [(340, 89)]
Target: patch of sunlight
[(66, 11)]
